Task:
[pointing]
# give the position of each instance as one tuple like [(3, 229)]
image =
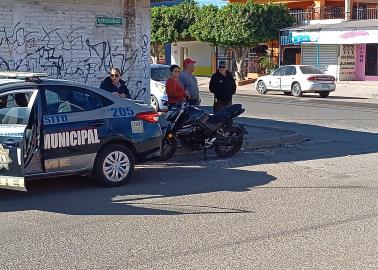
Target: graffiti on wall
[(143, 66), (72, 55)]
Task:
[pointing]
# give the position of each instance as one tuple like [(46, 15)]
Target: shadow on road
[(151, 182)]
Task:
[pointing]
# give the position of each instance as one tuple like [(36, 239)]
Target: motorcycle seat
[(228, 112), (233, 108)]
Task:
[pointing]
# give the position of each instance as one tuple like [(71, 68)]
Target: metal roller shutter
[(327, 57), (309, 55)]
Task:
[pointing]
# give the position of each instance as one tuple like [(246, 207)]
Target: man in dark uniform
[(223, 85)]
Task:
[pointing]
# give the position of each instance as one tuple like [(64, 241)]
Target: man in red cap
[(189, 82)]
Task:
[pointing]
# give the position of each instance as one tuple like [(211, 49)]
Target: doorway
[(292, 56), (371, 60)]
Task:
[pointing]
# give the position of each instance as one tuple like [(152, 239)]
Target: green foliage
[(237, 26), (240, 25), (185, 15), (161, 29), (271, 18), (171, 24), (266, 63), (207, 25)]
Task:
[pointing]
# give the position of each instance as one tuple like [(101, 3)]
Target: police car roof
[(22, 75), (6, 83), (9, 81)]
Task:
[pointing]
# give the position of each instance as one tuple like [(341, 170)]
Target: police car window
[(14, 107), (70, 99)]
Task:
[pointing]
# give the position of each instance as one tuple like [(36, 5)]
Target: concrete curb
[(293, 138)]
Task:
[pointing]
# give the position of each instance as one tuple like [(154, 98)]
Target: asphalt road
[(310, 206)]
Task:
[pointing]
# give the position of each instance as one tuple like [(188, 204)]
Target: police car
[(52, 128)]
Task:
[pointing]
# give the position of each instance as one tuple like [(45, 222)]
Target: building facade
[(199, 51), (336, 36), (72, 39), (346, 50)]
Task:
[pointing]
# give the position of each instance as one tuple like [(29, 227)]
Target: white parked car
[(296, 80), (159, 76)]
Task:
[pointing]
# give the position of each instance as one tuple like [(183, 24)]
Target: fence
[(365, 13), (303, 17)]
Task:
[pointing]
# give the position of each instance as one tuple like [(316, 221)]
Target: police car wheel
[(114, 166)]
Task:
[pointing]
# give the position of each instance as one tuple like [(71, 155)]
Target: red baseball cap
[(188, 61)]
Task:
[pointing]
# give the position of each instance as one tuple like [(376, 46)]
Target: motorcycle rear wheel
[(231, 150), (168, 148)]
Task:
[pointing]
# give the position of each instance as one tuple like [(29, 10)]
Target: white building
[(78, 40), (199, 51)]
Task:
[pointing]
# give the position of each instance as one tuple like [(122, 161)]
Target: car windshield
[(14, 108), (310, 70), (160, 73)]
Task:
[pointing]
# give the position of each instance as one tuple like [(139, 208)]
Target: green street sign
[(108, 21)]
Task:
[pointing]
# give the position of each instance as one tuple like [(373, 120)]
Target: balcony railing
[(303, 17), (365, 13)]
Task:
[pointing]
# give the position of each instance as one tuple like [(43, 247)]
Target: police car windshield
[(160, 73), (14, 108)]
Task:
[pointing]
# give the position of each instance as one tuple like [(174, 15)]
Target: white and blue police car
[(51, 128)]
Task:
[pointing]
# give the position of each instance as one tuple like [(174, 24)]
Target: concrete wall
[(201, 52), (61, 37)]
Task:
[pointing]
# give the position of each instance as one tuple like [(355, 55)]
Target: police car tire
[(98, 172)]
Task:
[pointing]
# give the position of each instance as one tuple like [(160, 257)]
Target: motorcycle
[(198, 130)]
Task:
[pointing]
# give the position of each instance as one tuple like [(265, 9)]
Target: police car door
[(17, 135), (75, 121)]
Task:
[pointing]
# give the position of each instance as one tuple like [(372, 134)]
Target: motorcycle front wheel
[(236, 142), (168, 148)]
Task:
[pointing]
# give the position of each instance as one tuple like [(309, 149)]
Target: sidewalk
[(364, 91), (260, 137)]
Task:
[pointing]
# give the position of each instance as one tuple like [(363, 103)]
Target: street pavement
[(308, 206)]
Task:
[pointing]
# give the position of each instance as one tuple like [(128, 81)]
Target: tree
[(240, 27), (170, 24), (207, 25)]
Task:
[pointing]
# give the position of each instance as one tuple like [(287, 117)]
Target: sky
[(214, 2), (202, 2)]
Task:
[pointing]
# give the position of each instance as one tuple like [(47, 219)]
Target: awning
[(351, 32), (348, 26)]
